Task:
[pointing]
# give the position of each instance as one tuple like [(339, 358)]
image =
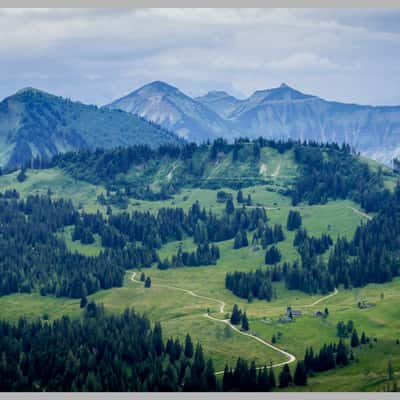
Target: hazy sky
[(98, 55)]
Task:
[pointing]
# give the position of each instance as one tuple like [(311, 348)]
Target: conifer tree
[(363, 338), (83, 302), (229, 208), (300, 374), (272, 255), (293, 220), (236, 316), (272, 380), (210, 376), (341, 355), (354, 341), (285, 377), (188, 346), (245, 322)]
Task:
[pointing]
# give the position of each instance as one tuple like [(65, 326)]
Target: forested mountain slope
[(35, 124)]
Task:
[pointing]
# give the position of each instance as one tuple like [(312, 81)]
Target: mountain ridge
[(282, 112), (167, 106), (37, 124)]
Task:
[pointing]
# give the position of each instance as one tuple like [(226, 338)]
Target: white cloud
[(95, 55), (311, 62)]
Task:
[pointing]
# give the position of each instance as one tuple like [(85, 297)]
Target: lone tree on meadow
[(147, 282), (245, 322)]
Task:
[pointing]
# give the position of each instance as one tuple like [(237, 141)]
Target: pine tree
[(263, 380), (293, 220), (245, 322), (272, 255), (363, 338), (272, 380), (341, 355), (21, 177), (285, 377), (245, 241), (300, 374), (227, 380), (147, 282), (83, 302), (210, 377), (237, 244), (354, 341), (229, 208), (236, 315), (188, 347)]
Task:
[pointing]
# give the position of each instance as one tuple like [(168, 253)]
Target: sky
[(98, 55)]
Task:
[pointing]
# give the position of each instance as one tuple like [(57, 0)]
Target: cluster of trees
[(240, 240), (332, 172), (246, 378), (345, 330), (241, 200), (272, 255), (101, 352), (243, 378), (293, 220), (330, 356), (33, 258), (249, 285), (266, 235), (370, 257), (373, 253), (169, 224), (237, 317), (311, 245), (204, 254)]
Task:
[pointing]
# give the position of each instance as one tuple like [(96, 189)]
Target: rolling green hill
[(185, 299), (35, 124)]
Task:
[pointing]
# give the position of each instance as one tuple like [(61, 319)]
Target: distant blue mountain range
[(281, 112)]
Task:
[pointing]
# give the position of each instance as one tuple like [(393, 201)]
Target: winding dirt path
[(290, 357), (360, 213), (335, 292)]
